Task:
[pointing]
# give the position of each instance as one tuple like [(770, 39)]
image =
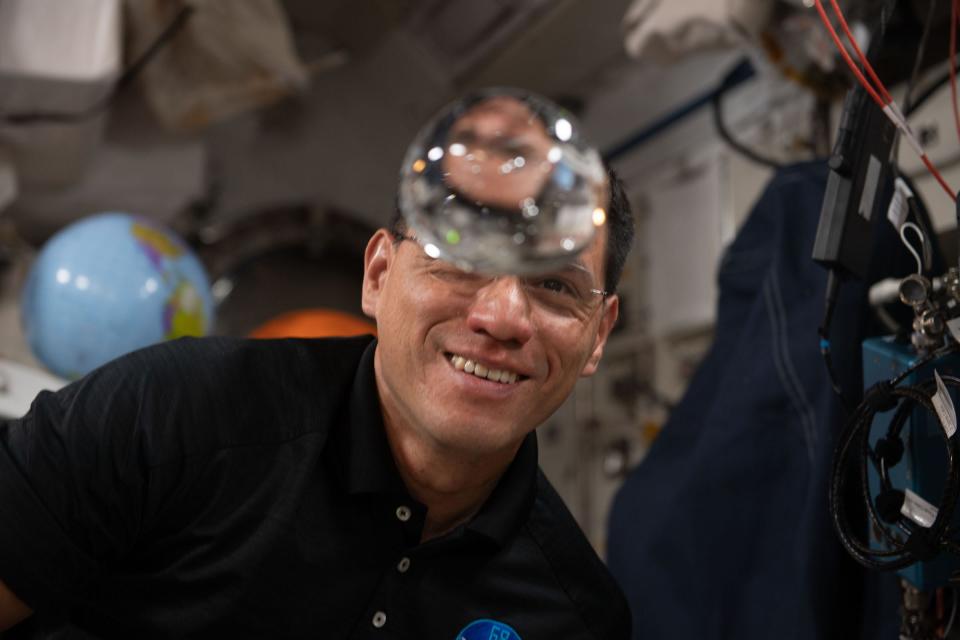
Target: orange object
[(313, 323)]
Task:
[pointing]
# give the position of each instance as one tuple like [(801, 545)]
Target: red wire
[(867, 86), (846, 55), (863, 59), (936, 174)]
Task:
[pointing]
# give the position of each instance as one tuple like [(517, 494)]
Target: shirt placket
[(386, 612)]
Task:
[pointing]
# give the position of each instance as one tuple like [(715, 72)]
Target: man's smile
[(466, 365)]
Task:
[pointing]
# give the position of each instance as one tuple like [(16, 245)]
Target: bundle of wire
[(899, 541), (878, 92), (913, 542)]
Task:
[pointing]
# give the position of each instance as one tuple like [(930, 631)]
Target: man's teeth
[(469, 366)]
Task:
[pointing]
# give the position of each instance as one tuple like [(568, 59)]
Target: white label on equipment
[(943, 404), (897, 211), (899, 204), (918, 509)]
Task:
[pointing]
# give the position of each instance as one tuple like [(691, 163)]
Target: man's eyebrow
[(577, 265)]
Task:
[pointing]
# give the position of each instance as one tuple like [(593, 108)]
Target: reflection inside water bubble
[(502, 182)]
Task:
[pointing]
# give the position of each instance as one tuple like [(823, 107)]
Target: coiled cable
[(911, 542)]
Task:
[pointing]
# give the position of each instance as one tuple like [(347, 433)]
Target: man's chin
[(479, 435)]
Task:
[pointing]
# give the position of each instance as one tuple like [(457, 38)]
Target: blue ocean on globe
[(107, 285)]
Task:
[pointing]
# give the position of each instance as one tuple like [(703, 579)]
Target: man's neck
[(453, 487)]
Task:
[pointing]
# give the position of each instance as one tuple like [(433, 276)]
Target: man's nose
[(502, 310)]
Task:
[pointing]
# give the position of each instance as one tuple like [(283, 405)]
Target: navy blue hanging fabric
[(723, 531)]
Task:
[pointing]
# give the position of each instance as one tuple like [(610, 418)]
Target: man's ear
[(611, 309), (376, 265)]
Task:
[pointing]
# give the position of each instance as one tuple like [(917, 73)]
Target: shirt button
[(403, 565), (403, 513), (379, 619)]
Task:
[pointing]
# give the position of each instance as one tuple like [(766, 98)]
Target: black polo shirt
[(245, 489)]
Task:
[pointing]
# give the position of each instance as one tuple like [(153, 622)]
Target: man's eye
[(442, 269), (515, 147), (556, 285), (466, 137)]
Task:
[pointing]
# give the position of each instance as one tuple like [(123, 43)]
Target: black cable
[(953, 615), (830, 303), (921, 543), (716, 103), (935, 85), (908, 106), (128, 75), (912, 84), (892, 559), (918, 61), (915, 395), (862, 554)]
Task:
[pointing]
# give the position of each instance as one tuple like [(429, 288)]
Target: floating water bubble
[(502, 181)]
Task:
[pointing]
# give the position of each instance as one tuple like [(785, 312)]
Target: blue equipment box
[(924, 465)]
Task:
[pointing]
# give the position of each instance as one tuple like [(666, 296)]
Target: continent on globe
[(156, 243), (183, 314)]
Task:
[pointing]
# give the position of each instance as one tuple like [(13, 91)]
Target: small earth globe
[(107, 285)]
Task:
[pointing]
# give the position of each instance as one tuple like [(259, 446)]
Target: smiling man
[(339, 488), (468, 366)]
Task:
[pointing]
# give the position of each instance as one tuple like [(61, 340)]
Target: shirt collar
[(510, 503), (363, 455), (366, 463)]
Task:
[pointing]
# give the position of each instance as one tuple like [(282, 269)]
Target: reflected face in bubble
[(498, 154), (502, 181)]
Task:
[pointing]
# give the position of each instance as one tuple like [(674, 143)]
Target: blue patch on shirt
[(488, 630)]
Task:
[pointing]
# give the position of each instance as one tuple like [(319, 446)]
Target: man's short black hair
[(620, 231)]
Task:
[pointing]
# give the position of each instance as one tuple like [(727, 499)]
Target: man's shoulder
[(198, 394), (223, 365), (243, 356), (576, 565)]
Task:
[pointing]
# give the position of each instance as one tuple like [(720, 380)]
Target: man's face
[(432, 324), (498, 154)]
